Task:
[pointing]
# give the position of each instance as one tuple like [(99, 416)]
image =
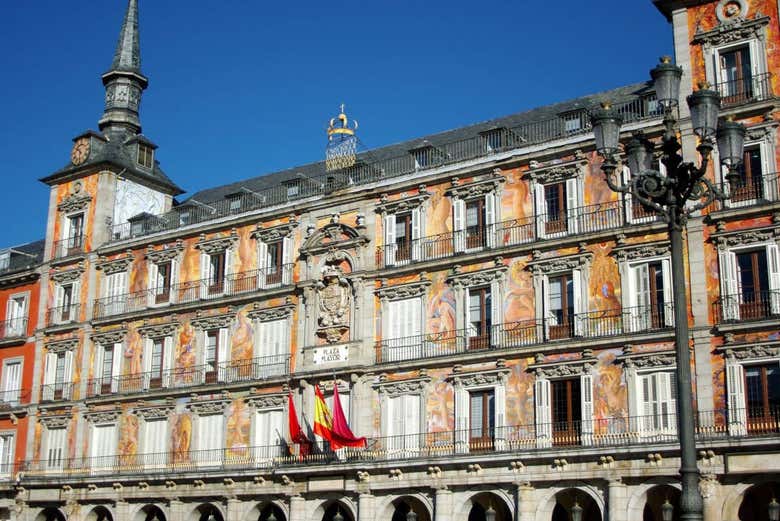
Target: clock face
[(80, 151)]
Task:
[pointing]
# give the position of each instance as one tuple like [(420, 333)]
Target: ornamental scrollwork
[(648, 360), (331, 237), (208, 408), (167, 254), (738, 30), (563, 369), (97, 417), (60, 346), (270, 314), (154, 412), (74, 202), (158, 330), (402, 204), (546, 266), (274, 233), (334, 297), (480, 378), (753, 352), (555, 173), (479, 187), (109, 337), (56, 421), (119, 265), (403, 291), (269, 401), (392, 388), (642, 251), (217, 244), (206, 323), (459, 279), (64, 277), (744, 237)]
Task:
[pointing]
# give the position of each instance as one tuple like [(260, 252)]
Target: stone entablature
[(726, 240), (209, 407), (472, 379), (556, 172), (405, 203), (102, 416), (60, 346), (169, 252), (564, 368), (734, 31), (154, 412), (66, 276), (632, 252), (479, 186), (458, 278), (549, 265), (266, 401), (392, 388), (274, 233), (214, 321), (646, 360), (216, 244), (115, 336), (403, 291), (272, 313), (751, 351), (159, 330)]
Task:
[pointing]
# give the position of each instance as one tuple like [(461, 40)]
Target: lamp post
[(576, 512), (774, 510), (667, 511), (674, 196)]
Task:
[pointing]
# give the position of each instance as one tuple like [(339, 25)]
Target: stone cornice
[(460, 279), (56, 421), (214, 321), (405, 203), (117, 265), (74, 202), (109, 337), (750, 351), (158, 330), (403, 291), (499, 376), (725, 240), (95, 417), (556, 173), (266, 401), (739, 29), (563, 368), (60, 346), (208, 408), (63, 277), (216, 244), (269, 314), (392, 388), (478, 187), (332, 237), (274, 233), (167, 254), (154, 412), (546, 266), (631, 252), (646, 360)]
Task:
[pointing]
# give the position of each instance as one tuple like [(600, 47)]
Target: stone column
[(711, 493), (175, 510), (233, 510), (526, 502), (617, 500), (122, 510), (366, 507), (297, 508), (442, 510)]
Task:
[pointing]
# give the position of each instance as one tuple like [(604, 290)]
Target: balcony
[(235, 284), (623, 432), (69, 247), (759, 190), (14, 398), (63, 315), (595, 324), (746, 90), (748, 306), (256, 369), (13, 329), (567, 223), (57, 391)]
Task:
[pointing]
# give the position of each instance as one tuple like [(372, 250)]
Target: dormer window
[(145, 155), (293, 189), (426, 156), (235, 204), (493, 140), (5, 260), (184, 217), (573, 121)]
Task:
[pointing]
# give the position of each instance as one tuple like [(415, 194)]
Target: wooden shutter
[(735, 391), (459, 224), (67, 379), (573, 206), (543, 412), (288, 246), (496, 312), (461, 420), (116, 366), (728, 285), (174, 280), (390, 245), (12, 382), (666, 273), (205, 272), (490, 219), (146, 361), (100, 354), (49, 376), (417, 234), (152, 283), (579, 303), (586, 397), (773, 266), (668, 419), (167, 362), (223, 354), (541, 210)]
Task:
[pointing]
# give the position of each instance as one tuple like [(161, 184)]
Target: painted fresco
[(84, 186), (128, 434), (238, 428)]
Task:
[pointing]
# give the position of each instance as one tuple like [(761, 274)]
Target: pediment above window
[(647, 360), (156, 412), (158, 330), (405, 203), (167, 254), (403, 291), (98, 417), (56, 421), (549, 265), (272, 313), (333, 236), (206, 323), (726, 240), (732, 31), (60, 346), (564, 368), (217, 244), (63, 277), (267, 401), (207, 408), (109, 337), (392, 388), (479, 186), (486, 378), (556, 172), (77, 201), (118, 265), (751, 352), (274, 233), (631, 252), (465, 279)]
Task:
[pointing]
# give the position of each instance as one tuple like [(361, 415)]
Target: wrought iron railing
[(63, 315), (57, 391), (259, 368), (592, 324), (11, 398), (230, 285), (750, 89), (620, 431), (754, 191), (481, 145), (70, 246), (748, 306), (13, 328)]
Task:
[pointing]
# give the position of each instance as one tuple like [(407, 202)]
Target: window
[(235, 204), (474, 222), (16, 316), (56, 448), (403, 328), (12, 381), (210, 437), (426, 157), (762, 396), (561, 310), (493, 140), (275, 259), (481, 420), (657, 394), (650, 295), (402, 425), (479, 320), (103, 446), (155, 443), (557, 207), (107, 368), (272, 347), (736, 74), (750, 283), (636, 211), (7, 442), (274, 263), (58, 375), (216, 273), (184, 217), (115, 293), (403, 237), (293, 189), (215, 355), (269, 434), (751, 177), (564, 411), (5, 260), (66, 306), (75, 234), (157, 361), (157, 356), (573, 121), (160, 277), (145, 155)]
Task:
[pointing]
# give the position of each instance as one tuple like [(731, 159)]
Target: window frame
[(145, 156)]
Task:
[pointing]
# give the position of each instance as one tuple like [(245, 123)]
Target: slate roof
[(257, 184), (24, 256)]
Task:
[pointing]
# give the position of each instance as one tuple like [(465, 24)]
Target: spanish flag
[(323, 419), (336, 431)]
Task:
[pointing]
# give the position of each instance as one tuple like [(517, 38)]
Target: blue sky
[(239, 88)]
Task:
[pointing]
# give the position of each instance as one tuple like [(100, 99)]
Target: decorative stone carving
[(641, 251), (269, 314), (729, 11), (112, 266), (403, 204), (335, 297), (744, 237), (96, 417), (647, 360), (64, 277), (158, 330), (403, 291), (56, 421), (274, 233), (60, 346), (217, 244), (155, 412), (208, 408), (753, 352), (546, 266), (734, 31), (206, 323), (480, 378), (75, 202), (458, 279), (564, 368), (167, 254), (708, 486), (332, 237), (109, 337), (556, 173), (761, 132), (393, 388), (266, 401), (479, 187)]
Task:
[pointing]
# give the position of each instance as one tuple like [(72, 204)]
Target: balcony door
[(482, 408), (762, 397), (566, 411), (751, 174), (753, 280), (480, 306), (736, 75)]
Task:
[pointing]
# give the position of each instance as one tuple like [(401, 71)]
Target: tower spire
[(124, 82)]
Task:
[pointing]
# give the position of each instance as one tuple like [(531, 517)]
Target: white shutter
[(167, 362), (461, 420), (67, 379), (417, 233), (572, 206), (59, 302), (541, 210), (628, 201), (639, 275), (116, 366), (155, 442), (499, 421), (579, 304), (205, 272), (773, 265), (100, 353), (262, 263), (586, 397), (543, 413), (548, 317), (390, 245), (12, 382), (649, 402), (55, 442), (146, 361), (412, 413), (223, 354), (49, 376), (459, 224), (728, 285), (152, 282), (633, 385), (174, 280), (735, 389), (230, 253), (396, 442), (666, 273), (496, 313), (668, 419), (490, 219), (287, 260)]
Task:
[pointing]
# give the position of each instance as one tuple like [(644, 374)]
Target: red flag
[(341, 434), (296, 433)]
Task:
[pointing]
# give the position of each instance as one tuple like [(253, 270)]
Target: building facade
[(497, 321)]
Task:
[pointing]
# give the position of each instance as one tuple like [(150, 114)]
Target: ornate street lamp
[(576, 512), (271, 516), (674, 196), (490, 514), (411, 515), (774, 510), (338, 516), (667, 511)]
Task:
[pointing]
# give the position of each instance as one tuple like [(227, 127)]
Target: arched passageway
[(488, 507), (756, 501), (409, 509), (572, 503), (337, 512), (659, 499), (50, 514)]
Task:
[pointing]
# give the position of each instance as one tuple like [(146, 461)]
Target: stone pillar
[(297, 508), (710, 490), (442, 510), (175, 510), (366, 507), (233, 510), (122, 510), (617, 501), (526, 502)]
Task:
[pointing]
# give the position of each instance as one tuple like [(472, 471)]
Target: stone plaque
[(330, 354)]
